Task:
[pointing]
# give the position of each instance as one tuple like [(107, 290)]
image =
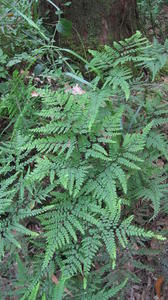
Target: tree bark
[(103, 21), (97, 22)]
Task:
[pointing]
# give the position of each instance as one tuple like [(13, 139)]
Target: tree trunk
[(97, 22)]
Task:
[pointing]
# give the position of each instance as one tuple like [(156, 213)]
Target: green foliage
[(15, 32), (150, 16), (82, 163), (16, 196), (74, 166), (116, 63), (17, 103), (160, 57), (150, 7), (3, 58), (119, 65)]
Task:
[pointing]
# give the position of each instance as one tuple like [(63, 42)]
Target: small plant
[(3, 60), (149, 12)]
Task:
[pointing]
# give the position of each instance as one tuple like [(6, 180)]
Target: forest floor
[(154, 284)]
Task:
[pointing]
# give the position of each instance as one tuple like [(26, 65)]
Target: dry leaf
[(158, 286), (34, 94), (166, 80), (75, 90), (22, 71), (160, 163), (54, 279)]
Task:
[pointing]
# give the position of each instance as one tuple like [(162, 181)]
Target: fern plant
[(16, 196), (120, 64), (151, 184), (77, 170), (87, 161)]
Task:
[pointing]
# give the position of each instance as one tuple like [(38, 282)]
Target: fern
[(78, 177), (33, 295), (16, 196), (117, 64), (77, 170), (107, 294), (160, 57), (17, 104), (158, 141)]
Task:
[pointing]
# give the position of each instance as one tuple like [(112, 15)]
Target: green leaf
[(33, 295), (59, 290), (64, 27)]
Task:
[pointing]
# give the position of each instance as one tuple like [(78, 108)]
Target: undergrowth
[(76, 163)]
